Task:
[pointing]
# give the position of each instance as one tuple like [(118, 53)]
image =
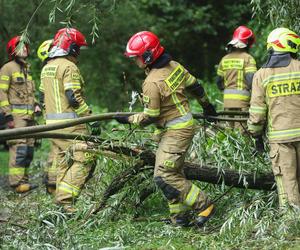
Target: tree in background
[(278, 12), (194, 32)]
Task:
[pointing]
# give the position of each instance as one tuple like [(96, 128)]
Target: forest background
[(195, 33)]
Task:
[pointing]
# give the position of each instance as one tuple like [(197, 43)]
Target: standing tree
[(279, 12)]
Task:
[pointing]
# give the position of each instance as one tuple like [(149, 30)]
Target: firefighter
[(18, 104), (275, 104), (166, 105), (63, 88), (50, 169), (235, 74)]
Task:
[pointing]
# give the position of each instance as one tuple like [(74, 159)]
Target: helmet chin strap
[(139, 62), (74, 50)]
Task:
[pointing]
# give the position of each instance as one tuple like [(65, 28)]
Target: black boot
[(204, 216)]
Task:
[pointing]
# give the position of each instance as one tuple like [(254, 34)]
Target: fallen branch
[(21, 132), (117, 184), (60, 125), (13, 223), (213, 175), (233, 113), (192, 171), (53, 135), (216, 118)]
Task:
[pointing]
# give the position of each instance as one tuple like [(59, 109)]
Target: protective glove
[(209, 110), (259, 144), (122, 119), (37, 143), (95, 128), (10, 121)]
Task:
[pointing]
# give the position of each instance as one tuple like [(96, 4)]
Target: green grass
[(4, 162)]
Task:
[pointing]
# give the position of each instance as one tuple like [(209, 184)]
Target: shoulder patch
[(75, 76), (175, 78), (146, 99)]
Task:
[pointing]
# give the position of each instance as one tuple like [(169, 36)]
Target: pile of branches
[(145, 158)]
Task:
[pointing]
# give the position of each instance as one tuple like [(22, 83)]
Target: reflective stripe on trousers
[(17, 171), (178, 208), (192, 196), (188, 203), (67, 188), (282, 196)]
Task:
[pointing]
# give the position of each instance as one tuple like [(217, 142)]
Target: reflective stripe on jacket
[(233, 69)]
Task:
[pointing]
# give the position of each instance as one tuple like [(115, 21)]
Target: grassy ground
[(4, 162), (245, 219)]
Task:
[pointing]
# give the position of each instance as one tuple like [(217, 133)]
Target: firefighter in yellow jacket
[(166, 105), (275, 104), (63, 90), (17, 101), (50, 169), (235, 73)]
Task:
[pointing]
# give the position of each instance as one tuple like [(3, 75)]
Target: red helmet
[(12, 45), (145, 45), (69, 40), (242, 37)]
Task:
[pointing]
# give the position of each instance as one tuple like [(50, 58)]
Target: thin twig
[(13, 223)]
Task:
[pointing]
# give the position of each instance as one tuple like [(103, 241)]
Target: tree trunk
[(230, 177)]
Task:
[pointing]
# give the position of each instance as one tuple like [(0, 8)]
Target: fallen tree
[(192, 171), (145, 159)]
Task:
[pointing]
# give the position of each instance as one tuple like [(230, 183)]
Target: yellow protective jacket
[(165, 99), (275, 103), (63, 86), (17, 90), (234, 68)]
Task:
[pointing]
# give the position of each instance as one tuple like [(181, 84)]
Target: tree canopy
[(193, 32)]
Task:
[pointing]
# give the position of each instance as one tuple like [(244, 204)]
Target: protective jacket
[(164, 97), (275, 100), (166, 104), (63, 85), (17, 102), (17, 90), (235, 73), (63, 90)]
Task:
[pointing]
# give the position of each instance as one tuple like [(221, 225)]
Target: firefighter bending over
[(166, 105)]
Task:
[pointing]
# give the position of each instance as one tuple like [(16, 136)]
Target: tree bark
[(230, 177), (214, 175), (12, 133), (60, 125)]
